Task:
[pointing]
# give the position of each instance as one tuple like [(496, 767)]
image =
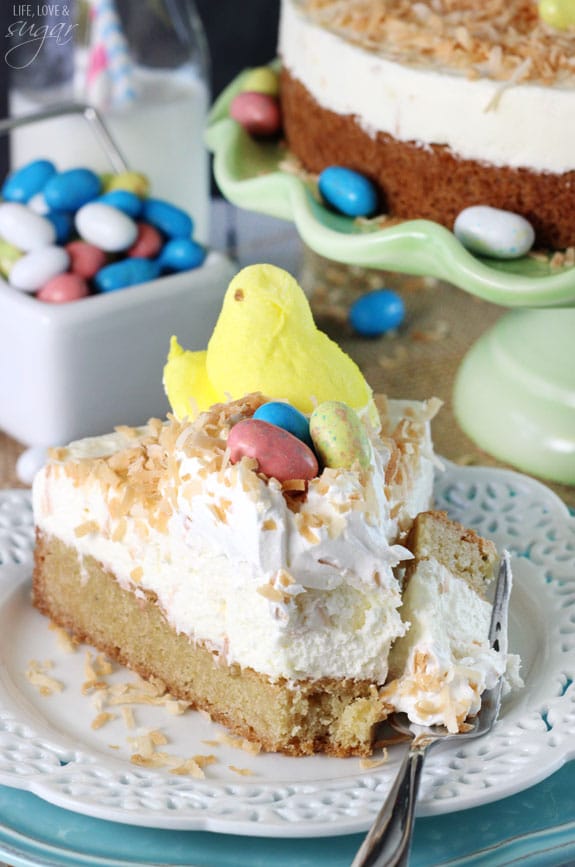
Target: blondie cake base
[(335, 717)]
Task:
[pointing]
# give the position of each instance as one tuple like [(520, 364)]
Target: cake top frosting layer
[(500, 39)]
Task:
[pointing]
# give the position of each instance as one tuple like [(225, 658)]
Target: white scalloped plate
[(47, 745)]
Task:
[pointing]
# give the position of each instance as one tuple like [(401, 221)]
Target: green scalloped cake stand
[(514, 393)]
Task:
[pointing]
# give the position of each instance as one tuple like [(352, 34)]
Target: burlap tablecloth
[(441, 323)]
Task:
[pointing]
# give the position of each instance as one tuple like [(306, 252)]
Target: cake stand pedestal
[(514, 393)]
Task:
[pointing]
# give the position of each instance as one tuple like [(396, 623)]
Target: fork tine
[(498, 640), (500, 612)]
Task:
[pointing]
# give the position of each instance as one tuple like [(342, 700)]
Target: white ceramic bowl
[(79, 369)]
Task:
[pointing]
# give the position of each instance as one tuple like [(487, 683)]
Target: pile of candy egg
[(287, 445), (483, 230), (66, 235)]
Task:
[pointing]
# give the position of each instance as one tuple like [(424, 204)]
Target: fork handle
[(389, 841)]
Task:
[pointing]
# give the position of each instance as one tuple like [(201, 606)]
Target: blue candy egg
[(127, 272), (377, 312), (124, 200), (181, 254), (28, 180), (348, 191), (68, 191), (63, 222), (286, 416), (169, 219)]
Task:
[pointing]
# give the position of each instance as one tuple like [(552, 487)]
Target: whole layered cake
[(444, 104), (269, 551)]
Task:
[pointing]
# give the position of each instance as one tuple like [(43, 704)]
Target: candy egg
[(169, 219), (338, 435), (148, 243), (557, 13), (23, 228), (258, 113), (134, 182), (262, 79), (106, 227), (63, 288), (63, 223), (128, 272), (376, 313), (348, 191), (85, 259), (492, 232), (278, 452), (125, 201), (30, 462), (286, 416), (9, 254), (27, 181), (181, 254), (69, 190), (34, 269), (38, 204)]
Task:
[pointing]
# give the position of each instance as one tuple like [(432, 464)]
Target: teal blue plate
[(252, 174), (534, 828)]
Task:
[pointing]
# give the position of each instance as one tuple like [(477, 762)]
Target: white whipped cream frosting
[(444, 662), (267, 588), (523, 125)]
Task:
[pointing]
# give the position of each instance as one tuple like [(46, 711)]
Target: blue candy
[(68, 191), (63, 222), (286, 416), (169, 219), (28, 180), (125, 201), (181, 254), (377, 312), (348, 191), (127, 272)]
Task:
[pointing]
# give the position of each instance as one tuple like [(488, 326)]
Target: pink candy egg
[(63, 288), (258, 113), (85, 259), (279, 453), (147, 244)]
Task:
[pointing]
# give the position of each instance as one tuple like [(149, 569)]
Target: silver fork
[(388, 842)]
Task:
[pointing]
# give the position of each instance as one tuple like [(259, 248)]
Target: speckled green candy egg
[(338, 435)]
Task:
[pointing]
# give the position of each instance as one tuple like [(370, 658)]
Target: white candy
[(34, 269), (29, 462), (106, 227), (38, 204), (19, 225), (492, 232)]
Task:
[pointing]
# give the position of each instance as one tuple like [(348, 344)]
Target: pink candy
[(148, 243), (279, 453), (258, 113), (85, 259), (63, 288)]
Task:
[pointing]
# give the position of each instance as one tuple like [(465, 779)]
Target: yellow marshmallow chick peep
[(265, 340)]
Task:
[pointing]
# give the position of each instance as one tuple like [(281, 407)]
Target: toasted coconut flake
[(128, 717), (66, 642), (189, 767), (101, 720), (86, 529), (505, 41), (243, 772), (136, 574), (366, 764), (37, 675)]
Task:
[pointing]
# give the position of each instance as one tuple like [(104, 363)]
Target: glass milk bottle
[(144, 65)]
